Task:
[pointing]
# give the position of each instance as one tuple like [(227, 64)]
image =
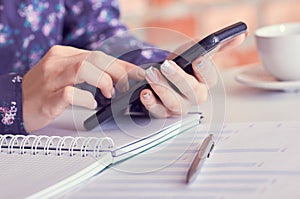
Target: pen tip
[(189, 179)]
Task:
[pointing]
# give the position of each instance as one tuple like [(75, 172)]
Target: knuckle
[(54, 49), (67, 95), (121, 78), (117, 71), (46, 68), (105, 81), (49, 61), (122, 74), (75, 69), (174, 105), (96, 53)]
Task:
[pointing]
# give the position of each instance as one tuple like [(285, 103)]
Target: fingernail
[(200, 65), (94, 105), (146, 96), (152, 75), (168, 68), (204, 67), (113, 93)]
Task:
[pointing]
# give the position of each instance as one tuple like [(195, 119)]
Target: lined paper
[(250, 160)]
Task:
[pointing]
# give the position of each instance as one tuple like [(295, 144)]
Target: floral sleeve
[(96, 25), (11, 120)]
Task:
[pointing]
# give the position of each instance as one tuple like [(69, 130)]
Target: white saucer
[(259, 78)]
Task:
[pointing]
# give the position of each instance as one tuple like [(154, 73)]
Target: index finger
[(118, 69)]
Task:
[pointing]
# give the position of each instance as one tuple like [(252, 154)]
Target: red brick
[(185, 25), (216, 17), (280, 11), (131, 8), (161, 2), (207, 2)]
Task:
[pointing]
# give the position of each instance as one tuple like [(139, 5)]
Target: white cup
[(279, 50)]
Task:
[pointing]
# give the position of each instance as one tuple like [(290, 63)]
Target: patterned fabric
[(28, 28), (11, 120)]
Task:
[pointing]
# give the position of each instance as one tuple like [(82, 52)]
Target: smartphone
[(118, 104)]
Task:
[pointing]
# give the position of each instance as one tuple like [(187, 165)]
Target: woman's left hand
[(191, 90)]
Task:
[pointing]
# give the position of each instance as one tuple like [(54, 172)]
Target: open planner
[(62, 156), (257, 160)]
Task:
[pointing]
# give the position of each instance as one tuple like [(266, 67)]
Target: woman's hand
[(48, 88), (193, 90), (171, 102)]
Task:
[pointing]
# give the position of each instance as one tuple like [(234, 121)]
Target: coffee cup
[(279, 50)]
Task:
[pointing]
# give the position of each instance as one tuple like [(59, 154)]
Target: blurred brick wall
[(198, 18)]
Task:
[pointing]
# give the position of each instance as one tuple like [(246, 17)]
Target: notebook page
[(24, 175), (258, 160)]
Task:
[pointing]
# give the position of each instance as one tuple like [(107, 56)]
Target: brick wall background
[(198, 18)]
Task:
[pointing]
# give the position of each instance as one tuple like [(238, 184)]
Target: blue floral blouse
[(28, 28)]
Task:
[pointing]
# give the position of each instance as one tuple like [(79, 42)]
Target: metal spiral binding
[(55, 145)]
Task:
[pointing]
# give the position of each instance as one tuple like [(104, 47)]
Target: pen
[(203, 153)]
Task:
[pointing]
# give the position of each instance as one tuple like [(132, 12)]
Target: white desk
[(243, 104), (246, 104)]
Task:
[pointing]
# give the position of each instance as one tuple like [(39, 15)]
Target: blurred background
[(198, 18)]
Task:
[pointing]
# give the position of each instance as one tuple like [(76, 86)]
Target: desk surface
[(246, 104)]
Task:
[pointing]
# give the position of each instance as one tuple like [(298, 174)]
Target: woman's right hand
[(48, 88)]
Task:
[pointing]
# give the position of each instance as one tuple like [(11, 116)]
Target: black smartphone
[(118, 104)]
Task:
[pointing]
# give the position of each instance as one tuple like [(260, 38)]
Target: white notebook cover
[(60, 157)]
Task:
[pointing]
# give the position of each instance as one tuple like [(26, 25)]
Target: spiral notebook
[(45, 166)]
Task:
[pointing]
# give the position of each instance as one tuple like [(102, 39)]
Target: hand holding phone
[(204, 46)]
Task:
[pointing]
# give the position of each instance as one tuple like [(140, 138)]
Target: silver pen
[(203, 153)]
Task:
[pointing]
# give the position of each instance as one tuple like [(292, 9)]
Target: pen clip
[(210, 150)]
